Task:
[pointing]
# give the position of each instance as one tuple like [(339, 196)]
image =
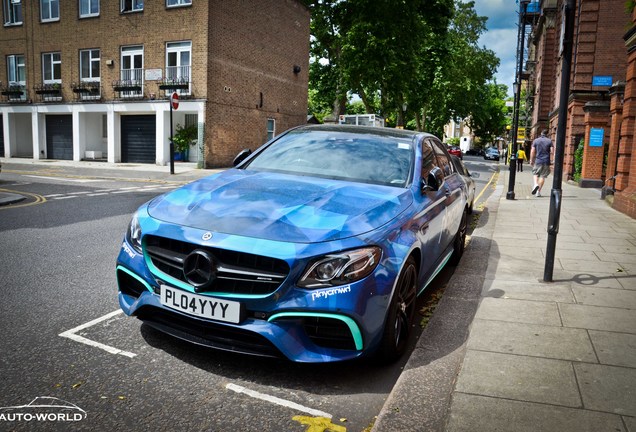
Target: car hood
[(281, 207)]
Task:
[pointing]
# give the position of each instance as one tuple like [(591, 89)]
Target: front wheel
[(397, 327)]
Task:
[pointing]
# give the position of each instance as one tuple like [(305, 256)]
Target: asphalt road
[(62, 335)]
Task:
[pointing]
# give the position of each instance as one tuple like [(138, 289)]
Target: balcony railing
[(177, 79), (131, 84), (14, 93), (87, 90), (49, 92)]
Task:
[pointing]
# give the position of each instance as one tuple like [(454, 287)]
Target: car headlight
[(133, 235), (341, 269)]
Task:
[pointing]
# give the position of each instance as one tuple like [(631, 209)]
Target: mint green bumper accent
[(125, 270), (353, 327)]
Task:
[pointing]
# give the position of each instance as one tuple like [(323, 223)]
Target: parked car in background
[(475, 152), (313, 248), (491, 153), (455, 151), (468, 178)]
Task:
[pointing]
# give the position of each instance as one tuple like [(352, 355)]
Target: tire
[(398, 325), (459, 243)]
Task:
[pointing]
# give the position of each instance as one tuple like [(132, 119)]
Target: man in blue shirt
[(541, 159)]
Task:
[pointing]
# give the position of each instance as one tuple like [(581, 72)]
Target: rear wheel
[(397, 327), (459, 244)]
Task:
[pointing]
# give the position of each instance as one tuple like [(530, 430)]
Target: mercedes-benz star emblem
[(199, 269), (207, 236)]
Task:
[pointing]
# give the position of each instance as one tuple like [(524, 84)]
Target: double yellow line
[(494, 177), (39, 199)]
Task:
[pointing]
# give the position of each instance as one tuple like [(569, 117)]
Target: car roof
[(382, 131)]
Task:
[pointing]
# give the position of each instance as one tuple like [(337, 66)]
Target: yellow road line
[(39, 199), (494, 176)]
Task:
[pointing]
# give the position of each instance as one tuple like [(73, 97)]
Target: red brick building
[(82, 79), (596, 103)]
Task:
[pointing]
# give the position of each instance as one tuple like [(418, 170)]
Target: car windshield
[(353, 156)]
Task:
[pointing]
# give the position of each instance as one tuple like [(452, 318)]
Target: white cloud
[(501, 36)]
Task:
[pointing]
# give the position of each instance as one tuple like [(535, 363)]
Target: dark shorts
[(541, 170)]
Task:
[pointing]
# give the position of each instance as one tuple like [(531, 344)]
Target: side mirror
[(241, 157), (433, 181)]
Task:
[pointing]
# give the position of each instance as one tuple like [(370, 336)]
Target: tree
[(488, 119)]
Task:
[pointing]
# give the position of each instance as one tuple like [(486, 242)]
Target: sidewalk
[(505, 351)]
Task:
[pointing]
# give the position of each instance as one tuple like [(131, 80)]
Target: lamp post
[(517, 89)]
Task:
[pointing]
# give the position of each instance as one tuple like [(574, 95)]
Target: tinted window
[(360, 157), (442, 158)]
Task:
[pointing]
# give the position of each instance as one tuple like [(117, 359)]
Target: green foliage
[(453, 141), (630, 5), (184, 137), (422, 54), (578, 160)]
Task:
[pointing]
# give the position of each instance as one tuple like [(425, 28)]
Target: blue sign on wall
[(596, 137), (602, 81)]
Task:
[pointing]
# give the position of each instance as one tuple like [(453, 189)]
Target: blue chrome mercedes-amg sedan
[(313, 247)]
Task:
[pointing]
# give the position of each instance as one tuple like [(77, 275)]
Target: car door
[(431, 213), (452, 190)]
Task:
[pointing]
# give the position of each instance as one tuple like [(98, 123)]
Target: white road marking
[(126, 191), (65, 179), (98, 194), (65, 197), (71, 334), (277, 401), (53, 195)]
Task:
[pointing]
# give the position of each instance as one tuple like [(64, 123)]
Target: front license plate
[(201, 306)]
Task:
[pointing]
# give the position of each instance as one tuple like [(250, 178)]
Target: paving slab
[(484, 414), (617, 298), (532, 340), (536, 291), (521, 378), (521, 311), (598, 318), (593, 266), (607, 388), (617, 349)]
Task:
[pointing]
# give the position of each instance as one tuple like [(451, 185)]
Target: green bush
[(578, 160), (184, 137)]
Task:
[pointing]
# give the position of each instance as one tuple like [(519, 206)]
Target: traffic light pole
[(515, 120)]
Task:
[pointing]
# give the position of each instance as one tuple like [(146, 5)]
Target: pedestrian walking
[(541, 159), (521, 156)]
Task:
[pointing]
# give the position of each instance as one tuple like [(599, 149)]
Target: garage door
[(1, 138), (138, 142), (59, 137)]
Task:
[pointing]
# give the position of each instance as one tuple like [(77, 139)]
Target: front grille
[(223, 337), (236, 273), (329, 333)]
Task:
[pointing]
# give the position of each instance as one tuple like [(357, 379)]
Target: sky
[(501, 36)]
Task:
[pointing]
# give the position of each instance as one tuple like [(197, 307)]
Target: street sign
[(596, 137), (601, 81), (174, 100)]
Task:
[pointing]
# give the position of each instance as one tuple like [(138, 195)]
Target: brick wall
[(253, 52), (108, 32)]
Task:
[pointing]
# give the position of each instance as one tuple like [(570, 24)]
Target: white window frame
[(135, 74), (131, 6), (53, 79), (47, 6), (91, 61), (11, 9), (89, 5), (271, 131), (15, 63), (179, 71), (178, 3)]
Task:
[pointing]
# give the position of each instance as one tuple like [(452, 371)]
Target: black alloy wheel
[(398, 325), (459, 244)]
